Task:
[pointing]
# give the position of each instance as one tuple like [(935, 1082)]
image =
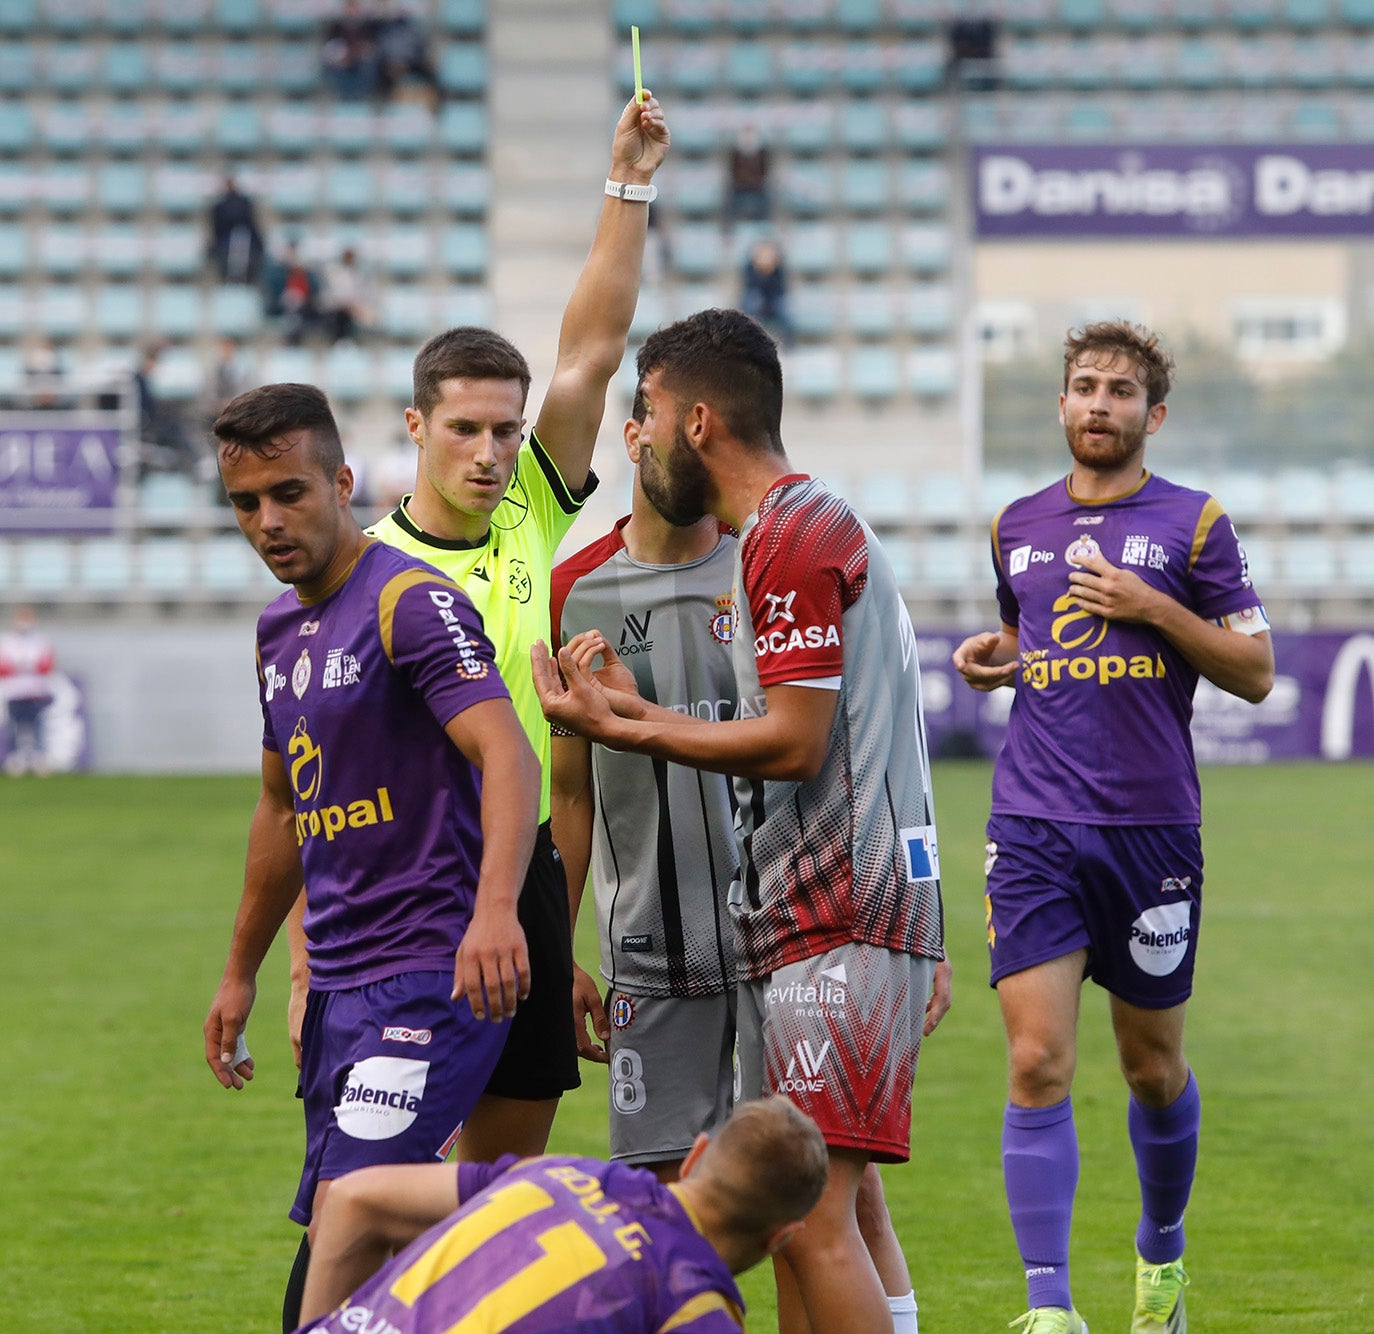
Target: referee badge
[(622, 1012)]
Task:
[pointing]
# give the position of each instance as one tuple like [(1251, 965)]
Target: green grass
[(136, 1194)]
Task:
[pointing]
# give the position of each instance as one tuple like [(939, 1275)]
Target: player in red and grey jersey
[(659, 837), (837, 1022)]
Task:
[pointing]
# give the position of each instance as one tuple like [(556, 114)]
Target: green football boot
[(1050, 1320), (1159, 1298)]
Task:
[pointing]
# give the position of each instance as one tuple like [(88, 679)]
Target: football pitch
[(137, 1195)]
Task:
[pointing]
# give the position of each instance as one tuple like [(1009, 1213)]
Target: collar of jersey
[(403, 521), (1106, 500)]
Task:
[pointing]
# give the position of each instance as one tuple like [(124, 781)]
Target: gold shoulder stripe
[(996, 545), (702, 1304), (1211, 512), (391, 595)]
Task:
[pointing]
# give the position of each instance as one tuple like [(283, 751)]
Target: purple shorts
[(389, 1073), (1131, 895)]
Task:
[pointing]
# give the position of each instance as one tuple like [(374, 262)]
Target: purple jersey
[(540, 1245), (1099, 730), (356, 689)]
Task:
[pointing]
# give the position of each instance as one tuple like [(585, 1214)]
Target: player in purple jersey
[(398, 789), (548, 1244), (1117, 591), (838, 909)]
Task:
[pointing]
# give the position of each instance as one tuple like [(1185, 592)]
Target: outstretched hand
[(568, 696), (975, 660), (641, 141)]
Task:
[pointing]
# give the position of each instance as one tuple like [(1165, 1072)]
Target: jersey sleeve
[(473, 1177), (706, 1313), (799, 575), (1218, 569), (433, 636)]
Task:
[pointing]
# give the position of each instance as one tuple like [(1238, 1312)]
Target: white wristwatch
[(635, 194)]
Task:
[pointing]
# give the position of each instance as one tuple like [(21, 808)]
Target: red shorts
[(839, 1035)]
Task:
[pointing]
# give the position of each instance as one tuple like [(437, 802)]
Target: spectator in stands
[(764, 291), (347, 304), (973, 50), (406, 67), (352, 61), (164, 445), (44, 377), (236, 247), (292, 295), (27, 661), (748, 193)]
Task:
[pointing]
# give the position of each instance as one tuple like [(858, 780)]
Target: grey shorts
[(672, 1072)]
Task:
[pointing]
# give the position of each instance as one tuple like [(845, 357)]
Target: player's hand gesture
[(641, 141), (615, 680), (566, 693), (225, 1050), (587, 1006), (976, 661), (492, 966), (1115, 594)]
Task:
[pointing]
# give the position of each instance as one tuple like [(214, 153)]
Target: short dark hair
[(1109, 339), (727, 360), (638, 408), (257, 421), (465, 353)]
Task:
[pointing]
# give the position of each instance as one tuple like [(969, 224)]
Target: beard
[(1117, 450), (678, 492)]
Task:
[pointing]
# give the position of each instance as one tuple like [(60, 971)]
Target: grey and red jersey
[(850, 854), (1099, 729), (356, 689), (663, 842)]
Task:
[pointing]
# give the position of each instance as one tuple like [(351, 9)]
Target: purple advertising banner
[(56, 478), (1193, 191), (1321, 707)]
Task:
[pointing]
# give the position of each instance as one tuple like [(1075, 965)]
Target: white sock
[(903, 1313)]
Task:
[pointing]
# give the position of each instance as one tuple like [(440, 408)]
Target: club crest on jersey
[(1082, 548), (723, 622), (622, 1012), (300, 673)]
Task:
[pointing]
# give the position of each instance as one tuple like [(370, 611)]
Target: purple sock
[(1165, 1143), (1040, 1165)]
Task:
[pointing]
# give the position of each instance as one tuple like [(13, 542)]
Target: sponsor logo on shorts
[(1172, 884), (1022, 558), (804, 1069), (622, 1012), (382, 1097), (828, 993), (421, 1037), (922, 852), (1159, 938)]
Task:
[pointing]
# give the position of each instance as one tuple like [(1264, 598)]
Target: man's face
[(671, 472), (1105, 413), (288, 509), (468, 445)]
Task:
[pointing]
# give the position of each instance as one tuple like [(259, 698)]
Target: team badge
[(521, 585), (723, 622), (300, 674), (1082, 548), (1174, 885), (622, 1012)]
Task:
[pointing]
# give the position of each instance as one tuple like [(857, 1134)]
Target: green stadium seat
[(350, 189), (925, 247), (943, 498), (919, 68), (407, 253), (61, 250), (406, 128), (463, 128), (1314, 61), (463, 250), (815, 310), (807, 69), (1246, 496), (694, 71), (1198, 14), (1252, 62), (180, 67), (694, 18), (463, 69), (803, 16), (1198, 63), (104, 565), (122, 187), (1354, 492), (1314, 119), (812, 373), (1358, 13), (16, 66), (295, 69), (165, 564), (16, 185), (237, 129), (236, 311), (125, 69), (1144, 65), (295, 190), (869, 248), (866, 186), (466, 17), (349, 128), (808, 186), (883, 498), (1304, 495), (70, 67), (124, 128), (405, 312), (1088, 63), (14, 250), (1088, 120), (748, 68), (119, 311), (858, 16), (465, 305), (932, 372), (18, 18), (292, 131), (901, 556), (634, 13), (1307, 13), (863, 67), (177, 250), (1082, 13), (176, 312), (241, 67), (398, 380), (813, 249), (68, 131), (294, 18), (949, 562), (291, 365), (920, 126), (183, 129), (1308, 561), (864, 127), (465, 191), (189, 17), (809, 127), (871, 309), (43, 565), (239, 17), (1254, 14), (698, 250), (349, 371), (14, 313), (65, 188), (1357, 562), (750, 16), (929, 310), (228, 564), (117, 250), (874, 374), (16, 130), (179, 191)]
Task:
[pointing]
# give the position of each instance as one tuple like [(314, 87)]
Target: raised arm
[(272, 882), (596, 323), (492, 967)]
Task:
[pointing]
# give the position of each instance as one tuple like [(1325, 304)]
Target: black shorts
[(540, 1057)]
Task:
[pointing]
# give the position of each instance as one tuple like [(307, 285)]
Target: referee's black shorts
[(540, 1057)]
